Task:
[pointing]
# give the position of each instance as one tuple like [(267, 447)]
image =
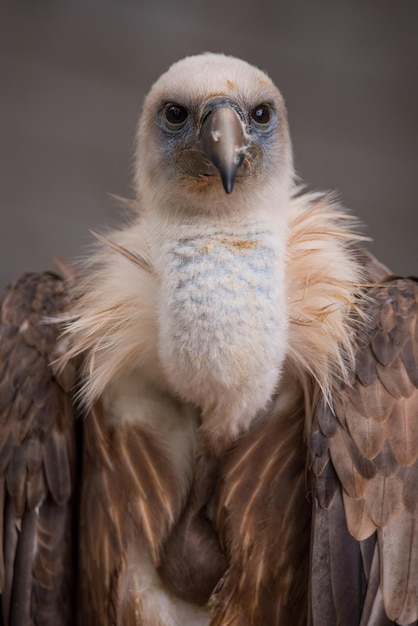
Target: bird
[(212, 419)]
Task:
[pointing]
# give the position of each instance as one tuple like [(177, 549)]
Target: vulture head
[(212, 125)]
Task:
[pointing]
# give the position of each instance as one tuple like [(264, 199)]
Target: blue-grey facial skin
[(181, 146)]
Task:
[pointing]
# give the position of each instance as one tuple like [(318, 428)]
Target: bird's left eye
[(175, 116), (261, 115)]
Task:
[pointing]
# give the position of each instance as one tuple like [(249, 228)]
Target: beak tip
[(228, 185)]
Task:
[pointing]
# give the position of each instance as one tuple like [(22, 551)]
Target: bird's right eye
[(175, 116)]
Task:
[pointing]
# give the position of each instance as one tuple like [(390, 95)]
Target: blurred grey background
[(73, 75)]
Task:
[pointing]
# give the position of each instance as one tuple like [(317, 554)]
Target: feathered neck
[(324, 286), (112, 322)]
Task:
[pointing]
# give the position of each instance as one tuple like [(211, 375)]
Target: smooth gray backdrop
[(73, 75)]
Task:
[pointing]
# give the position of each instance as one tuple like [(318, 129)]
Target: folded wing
[(364, 457), (37, 458)]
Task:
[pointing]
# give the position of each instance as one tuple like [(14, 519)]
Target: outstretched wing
[(37, 459), (365, 461)]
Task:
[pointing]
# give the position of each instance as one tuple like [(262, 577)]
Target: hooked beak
[(223, 142)]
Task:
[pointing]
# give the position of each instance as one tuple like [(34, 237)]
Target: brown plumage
[(213, 421), (38, 458), (365, 456)]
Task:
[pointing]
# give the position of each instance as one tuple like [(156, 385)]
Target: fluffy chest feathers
[(222, 315), (220, 308)]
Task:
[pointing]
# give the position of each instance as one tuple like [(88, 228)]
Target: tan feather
[(359, 522), (368, 433), (378, 401), (384, 499), (401, 430), (139, 258), (396, 381), (354, 481)]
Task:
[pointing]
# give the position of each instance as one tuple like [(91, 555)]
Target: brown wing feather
[(37, 459), (263, 517), (131, 498), (373, 448)]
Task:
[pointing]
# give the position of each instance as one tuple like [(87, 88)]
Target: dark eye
[(261, 115), (175, 116)]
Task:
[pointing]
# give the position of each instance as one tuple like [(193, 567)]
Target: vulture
[(212, 420)]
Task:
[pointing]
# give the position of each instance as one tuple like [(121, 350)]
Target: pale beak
[(222, 141)]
